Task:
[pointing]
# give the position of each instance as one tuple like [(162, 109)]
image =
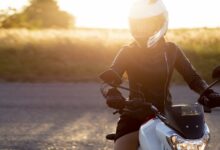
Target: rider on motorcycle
[(149, 63)]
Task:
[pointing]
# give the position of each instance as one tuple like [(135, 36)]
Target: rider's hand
[(114, 99), (211, 99)]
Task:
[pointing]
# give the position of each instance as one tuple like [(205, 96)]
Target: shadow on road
[(67, 116)]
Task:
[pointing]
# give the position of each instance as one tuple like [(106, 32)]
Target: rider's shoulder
[(129, 46), (171, 46), (125, 49)]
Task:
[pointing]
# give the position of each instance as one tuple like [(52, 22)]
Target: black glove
[(210, 99), (114, 99), (137, 109)]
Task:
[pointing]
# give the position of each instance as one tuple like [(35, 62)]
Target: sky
[(114, 13)]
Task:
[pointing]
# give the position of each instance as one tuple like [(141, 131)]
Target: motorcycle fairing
[(187, 120)]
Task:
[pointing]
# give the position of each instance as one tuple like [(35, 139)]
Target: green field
[(81, 54)]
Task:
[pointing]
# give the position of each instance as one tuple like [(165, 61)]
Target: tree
[(4, 13), (40, 14)]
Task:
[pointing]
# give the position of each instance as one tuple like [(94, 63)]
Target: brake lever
[(118, 111)]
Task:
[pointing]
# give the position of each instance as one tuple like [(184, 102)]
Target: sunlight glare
[(193, 13), (114, 13), (99, 13), (19, 4)]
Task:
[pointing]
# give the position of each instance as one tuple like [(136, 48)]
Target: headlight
[(179, 143)]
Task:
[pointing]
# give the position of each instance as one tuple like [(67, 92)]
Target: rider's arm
[(113, 75), (120, 62), (185, 68), (117, 68)]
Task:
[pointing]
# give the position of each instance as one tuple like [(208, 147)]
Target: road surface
[(68, 116)]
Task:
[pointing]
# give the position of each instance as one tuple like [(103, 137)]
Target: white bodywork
[(153, 135)]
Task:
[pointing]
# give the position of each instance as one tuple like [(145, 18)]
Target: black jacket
[(150, 71)]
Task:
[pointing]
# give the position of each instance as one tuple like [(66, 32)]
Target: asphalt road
[(68, 116)]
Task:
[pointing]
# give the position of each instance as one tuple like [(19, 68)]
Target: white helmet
[(148, 21)]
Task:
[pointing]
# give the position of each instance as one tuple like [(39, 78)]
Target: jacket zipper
[(167, 78)]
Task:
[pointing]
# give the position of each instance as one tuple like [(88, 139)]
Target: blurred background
[(75, 40), (52, 51)]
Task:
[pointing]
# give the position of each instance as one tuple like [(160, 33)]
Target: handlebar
[(141, 102), (154, 109)]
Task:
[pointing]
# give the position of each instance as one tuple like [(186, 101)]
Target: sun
[(98, 13)]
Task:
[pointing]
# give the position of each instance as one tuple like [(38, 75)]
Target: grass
[(202, 47), (81, 54)]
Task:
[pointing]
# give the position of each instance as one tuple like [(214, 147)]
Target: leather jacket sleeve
[(185, 68), (114, 74), (119, 63)]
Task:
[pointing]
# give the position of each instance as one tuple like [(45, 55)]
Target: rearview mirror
[(216, 73)]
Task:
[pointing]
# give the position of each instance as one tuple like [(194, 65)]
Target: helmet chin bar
[(152, 41)]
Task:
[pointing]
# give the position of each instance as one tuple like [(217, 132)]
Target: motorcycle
[(181, 127)]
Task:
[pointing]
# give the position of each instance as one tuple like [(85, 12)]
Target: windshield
[(190, 110), (187, 120)]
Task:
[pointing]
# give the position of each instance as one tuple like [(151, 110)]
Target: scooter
[(181, 127)]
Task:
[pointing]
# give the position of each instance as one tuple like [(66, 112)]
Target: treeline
[(37, 15)]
